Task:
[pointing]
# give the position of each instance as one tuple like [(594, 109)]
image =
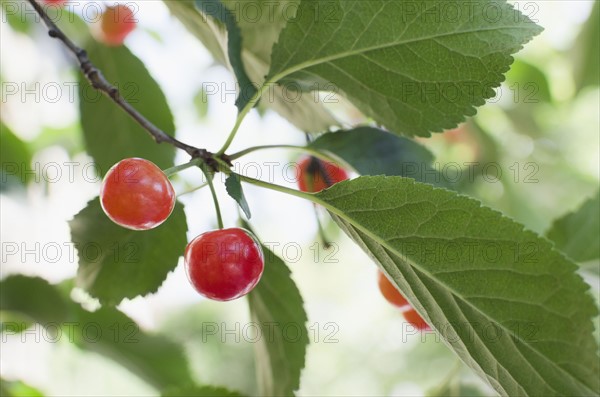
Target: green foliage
[(216, 9), (11, 14), (18, 389), (587, 51), (199, 391), (577, 233), (44, 306), (456, 389), (372, 151), (517, 314), (154, 358), (106, 331), (510, 305), (528, 83), (259, 35), (117, 263), (234, 189), (415, 75), (15, 158), (277, 306), (111, 134)]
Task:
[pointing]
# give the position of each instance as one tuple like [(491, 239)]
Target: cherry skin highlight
[(224, 264), (390, 292), (316, 175), (415, 320), (115, 25), (136, 194)]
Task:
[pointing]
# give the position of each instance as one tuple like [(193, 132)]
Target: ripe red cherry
[(390, 292), (393, 296), (136, 194), (316, 175), (415, 320), (55, 2), (224, 264), (115, 24)]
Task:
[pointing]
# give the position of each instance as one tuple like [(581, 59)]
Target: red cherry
[(55, 2), (415, 320), (115, 24), (390, 292), (224, 264), (136, 194), (316, 175)]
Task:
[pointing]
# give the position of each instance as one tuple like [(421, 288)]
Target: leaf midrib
[(364, 50)]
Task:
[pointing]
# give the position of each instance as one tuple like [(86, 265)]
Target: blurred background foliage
[(541, 132)]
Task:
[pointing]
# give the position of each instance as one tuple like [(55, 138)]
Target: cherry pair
[(393, 296)]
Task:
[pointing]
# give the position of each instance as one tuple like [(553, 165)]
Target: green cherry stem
[(307, 149), (209, 181), (178, 168), (242, 114), (192, 190), (322, 234)]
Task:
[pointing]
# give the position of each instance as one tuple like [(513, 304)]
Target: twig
[(99, 82)]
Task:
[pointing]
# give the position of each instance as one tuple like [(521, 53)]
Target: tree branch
[(99, 82)]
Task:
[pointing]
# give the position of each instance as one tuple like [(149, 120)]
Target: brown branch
[(99, 82)]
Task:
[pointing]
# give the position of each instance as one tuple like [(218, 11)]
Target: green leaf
[(576, 234), (372, 151), (117, 263), (509, 305), (15, 158), (154, 358), (277, 306), (216, 9), (456, 389), (528, 84), (199, 391), (111, 134), (107, 331), (260, 22), (405, 63), (33, 297), (234, 189), (18, 389), (13, 13), (587, 53), (201, 103)]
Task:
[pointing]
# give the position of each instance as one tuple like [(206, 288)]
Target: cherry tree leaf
[(216, 9), (111, 134), (577, 233), (372, 151), (117, 263), (277, 306), (414, 66), (34, 297), (199, 391), (107, 331), (260, 22), (501, 297), (235, 191)]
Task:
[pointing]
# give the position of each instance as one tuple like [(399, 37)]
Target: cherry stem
[(192, 190), (307, 149), (209, 180), (173, 170), (100, 83), (241, 116), (322, 234)]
